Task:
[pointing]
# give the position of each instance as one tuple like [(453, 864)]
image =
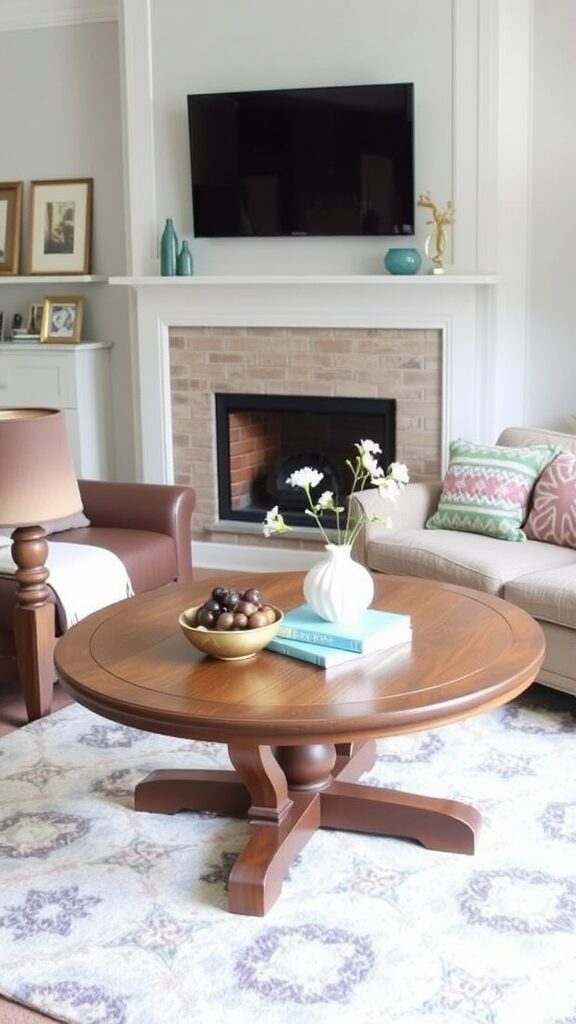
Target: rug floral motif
[(109, 916)]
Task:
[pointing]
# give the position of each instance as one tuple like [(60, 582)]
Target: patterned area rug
[(108, 916)]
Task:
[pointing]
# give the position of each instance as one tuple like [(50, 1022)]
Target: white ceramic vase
[(338, 588)]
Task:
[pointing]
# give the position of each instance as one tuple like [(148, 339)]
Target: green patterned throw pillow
[(487, 488)]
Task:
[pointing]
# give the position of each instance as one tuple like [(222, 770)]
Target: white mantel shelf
[(53, 279), (376, 280)]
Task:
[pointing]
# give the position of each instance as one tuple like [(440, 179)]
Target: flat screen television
[(300, 162)]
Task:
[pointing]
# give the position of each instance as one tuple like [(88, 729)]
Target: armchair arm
[(161, 508), (407, 510)]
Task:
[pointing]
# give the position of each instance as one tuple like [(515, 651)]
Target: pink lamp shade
[(37, 475)]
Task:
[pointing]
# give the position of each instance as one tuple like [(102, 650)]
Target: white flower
[(374, 517), (364, 469), (387, 487), (370, 464), (274, 522), (306, 477), (325, 503), (369, 447), (399, 472), (326, 500)]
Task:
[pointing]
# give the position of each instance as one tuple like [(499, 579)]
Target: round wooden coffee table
[(299, 737)]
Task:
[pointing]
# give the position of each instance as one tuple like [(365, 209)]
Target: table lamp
[(37, 483)]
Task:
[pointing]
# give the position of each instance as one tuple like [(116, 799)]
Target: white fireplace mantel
[(460, 306), (289, 281)]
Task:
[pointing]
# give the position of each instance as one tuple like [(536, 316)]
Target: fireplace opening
[(262, 439)]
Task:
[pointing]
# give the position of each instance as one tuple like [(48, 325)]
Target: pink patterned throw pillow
[(553, 514)]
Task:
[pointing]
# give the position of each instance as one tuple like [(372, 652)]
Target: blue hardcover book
[(316, 654), (374, 631), (327, 657)]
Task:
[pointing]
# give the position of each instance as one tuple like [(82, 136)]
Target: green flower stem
[(356, 471), (315, 515)]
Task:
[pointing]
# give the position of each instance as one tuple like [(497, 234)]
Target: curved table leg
[(264, 780), (168, 791), (280, 824), (438, 824), (255, 881), (289, 792), (353, 759)]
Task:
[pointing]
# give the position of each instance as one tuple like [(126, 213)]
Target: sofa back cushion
[(487, 488), (522, 436), (552, 517)]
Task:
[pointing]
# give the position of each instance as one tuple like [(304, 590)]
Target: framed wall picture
[(62, 318), (10, 226), (60, 227), (35, 318)]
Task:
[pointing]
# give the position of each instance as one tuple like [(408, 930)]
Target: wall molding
[(30, 14)]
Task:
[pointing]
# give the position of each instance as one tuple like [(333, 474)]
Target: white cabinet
[(74, 378)]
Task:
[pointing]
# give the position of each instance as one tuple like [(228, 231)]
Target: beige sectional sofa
[(538, 577)]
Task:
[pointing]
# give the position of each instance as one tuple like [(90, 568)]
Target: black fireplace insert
[(262, 439)]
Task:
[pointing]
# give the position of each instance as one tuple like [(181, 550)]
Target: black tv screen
[(299, 162)]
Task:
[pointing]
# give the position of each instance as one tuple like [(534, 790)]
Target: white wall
[(261, 44), (552, 295), (495, 86), (60, 117), (62, 90)]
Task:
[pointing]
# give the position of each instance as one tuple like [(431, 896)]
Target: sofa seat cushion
[(149, 558), (483, 563), (549, 596)]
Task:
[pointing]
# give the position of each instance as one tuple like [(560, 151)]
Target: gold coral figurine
[(440, 218)]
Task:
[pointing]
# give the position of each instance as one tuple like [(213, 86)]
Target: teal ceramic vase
[(184, 266), (168, 250), (402, 261)]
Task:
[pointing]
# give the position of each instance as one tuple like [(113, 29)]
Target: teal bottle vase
[(402, 261), (168, 250), (184, 266)]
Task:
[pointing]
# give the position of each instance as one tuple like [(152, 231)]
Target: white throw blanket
[(85, 578)]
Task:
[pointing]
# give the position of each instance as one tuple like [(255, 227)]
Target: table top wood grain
[(470, 652)]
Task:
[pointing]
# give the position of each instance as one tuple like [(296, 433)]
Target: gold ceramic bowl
[(228, 645)]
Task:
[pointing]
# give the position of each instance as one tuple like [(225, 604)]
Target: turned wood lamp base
[(37, 484), (34, 619), (288, 793)]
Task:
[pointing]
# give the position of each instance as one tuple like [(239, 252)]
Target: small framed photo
[(60, 228), (62, 318), (10, 226), (35, 318)]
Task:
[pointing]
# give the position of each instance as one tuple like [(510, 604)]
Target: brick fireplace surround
[(425, 341), (368, 363)]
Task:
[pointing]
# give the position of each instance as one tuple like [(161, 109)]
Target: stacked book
[(303, 634), (21, 337)]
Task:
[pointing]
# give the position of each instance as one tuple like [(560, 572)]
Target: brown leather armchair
[(147, 526)]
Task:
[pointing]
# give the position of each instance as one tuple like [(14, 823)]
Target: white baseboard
[(250, 558)]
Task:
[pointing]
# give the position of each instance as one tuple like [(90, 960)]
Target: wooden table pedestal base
[(288, 793)]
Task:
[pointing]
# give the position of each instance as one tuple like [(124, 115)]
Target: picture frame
[(35, 315), (10, 226), (62, 319), (60, 226)]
